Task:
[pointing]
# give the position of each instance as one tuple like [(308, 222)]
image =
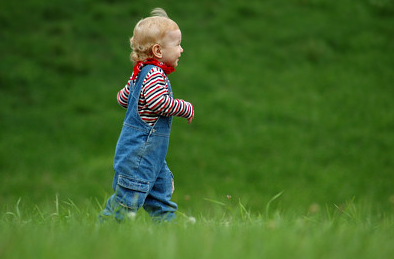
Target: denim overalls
[(142, 177)]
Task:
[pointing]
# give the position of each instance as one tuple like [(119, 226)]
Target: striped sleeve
[(123, 95), (159, 100)]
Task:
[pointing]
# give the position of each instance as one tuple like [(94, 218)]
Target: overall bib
[(142, 177)]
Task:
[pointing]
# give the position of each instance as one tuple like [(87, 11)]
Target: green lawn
[(66, 230), (289, 95)]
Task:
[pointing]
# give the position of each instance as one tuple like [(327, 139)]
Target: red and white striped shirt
[(155, 99)]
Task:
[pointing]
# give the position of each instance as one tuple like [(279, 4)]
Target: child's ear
[(156, 50)]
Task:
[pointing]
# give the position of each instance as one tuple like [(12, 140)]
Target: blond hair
[(148, 32)]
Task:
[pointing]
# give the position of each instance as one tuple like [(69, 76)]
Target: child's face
[(171, 48)]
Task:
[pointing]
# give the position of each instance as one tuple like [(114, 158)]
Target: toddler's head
[(149, 32)]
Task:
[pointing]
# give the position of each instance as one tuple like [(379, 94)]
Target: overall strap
[(132, 117), (136, 87)]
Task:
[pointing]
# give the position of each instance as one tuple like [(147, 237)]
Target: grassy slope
[(65, 231), (289, 95)]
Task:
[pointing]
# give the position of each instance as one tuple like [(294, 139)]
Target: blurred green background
[(289, 95)]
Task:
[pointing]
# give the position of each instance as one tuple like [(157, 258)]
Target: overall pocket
[(131, 193)]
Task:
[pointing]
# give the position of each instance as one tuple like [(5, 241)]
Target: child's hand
[(190, 119)]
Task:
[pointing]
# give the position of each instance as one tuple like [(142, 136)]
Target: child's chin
[(174, 64)]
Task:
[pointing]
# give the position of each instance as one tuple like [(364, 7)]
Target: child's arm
[(123, 95), (160, 102)]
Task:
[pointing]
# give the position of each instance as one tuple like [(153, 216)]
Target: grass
[(290, 95), (296, 98), (68, 230)]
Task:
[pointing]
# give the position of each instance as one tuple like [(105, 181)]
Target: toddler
[(142, 177)]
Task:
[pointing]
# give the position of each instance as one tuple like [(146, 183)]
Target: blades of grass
[(56, 213), (18, 212), (100, 205), (245, 215), (328, 213), (72, 205), (349, 209), (40, 213), (267, 207), (216, 202)]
